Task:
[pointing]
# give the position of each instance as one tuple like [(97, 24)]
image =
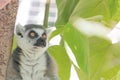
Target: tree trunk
[(7, 21)]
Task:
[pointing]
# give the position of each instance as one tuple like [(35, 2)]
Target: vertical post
[(46, 13), (8, 12)]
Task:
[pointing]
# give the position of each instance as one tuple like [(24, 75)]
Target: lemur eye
[(44, 35), (33, 34)]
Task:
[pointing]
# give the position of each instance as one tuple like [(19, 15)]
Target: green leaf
[(71, 9), (97, 55), (109, 74), (113, 5), (80, 73), (104, 58), (87, 9), (62, 59), (56, 32), (79, 46), (116, 17), (65, 9), (103, 61)]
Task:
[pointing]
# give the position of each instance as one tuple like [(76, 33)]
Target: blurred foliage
[(96, 56)]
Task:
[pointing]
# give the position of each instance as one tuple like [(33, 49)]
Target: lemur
[(30, 60)]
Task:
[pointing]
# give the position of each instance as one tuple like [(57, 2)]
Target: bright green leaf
[(70, 9), (62, 59), (79, 46), (104, 58), (65, 9), (80, 73), (116, 17), (92, 8), (111, 73), (56, 32), (113, 5), (103, 61)]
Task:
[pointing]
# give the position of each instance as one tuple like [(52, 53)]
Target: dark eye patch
[(20, 34), (33, 34)]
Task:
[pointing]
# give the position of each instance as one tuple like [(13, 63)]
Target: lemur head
[(31, 37)]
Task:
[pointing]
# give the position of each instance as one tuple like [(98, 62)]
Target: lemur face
[(37, 37), (31, 36)]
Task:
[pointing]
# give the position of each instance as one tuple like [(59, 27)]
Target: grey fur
[(13, 71), (16, 59), (29, 62), (30, 26)]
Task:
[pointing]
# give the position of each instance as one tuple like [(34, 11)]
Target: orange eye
[(32, 34), (44, 35)]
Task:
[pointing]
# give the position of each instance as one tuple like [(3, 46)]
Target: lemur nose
[(41, 39), (41, 42)]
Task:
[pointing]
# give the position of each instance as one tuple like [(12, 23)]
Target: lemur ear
[(19, 29)]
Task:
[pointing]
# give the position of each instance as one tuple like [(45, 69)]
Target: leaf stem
[(46, 14)]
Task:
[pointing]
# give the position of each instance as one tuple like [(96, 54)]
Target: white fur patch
[(32, 67)]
